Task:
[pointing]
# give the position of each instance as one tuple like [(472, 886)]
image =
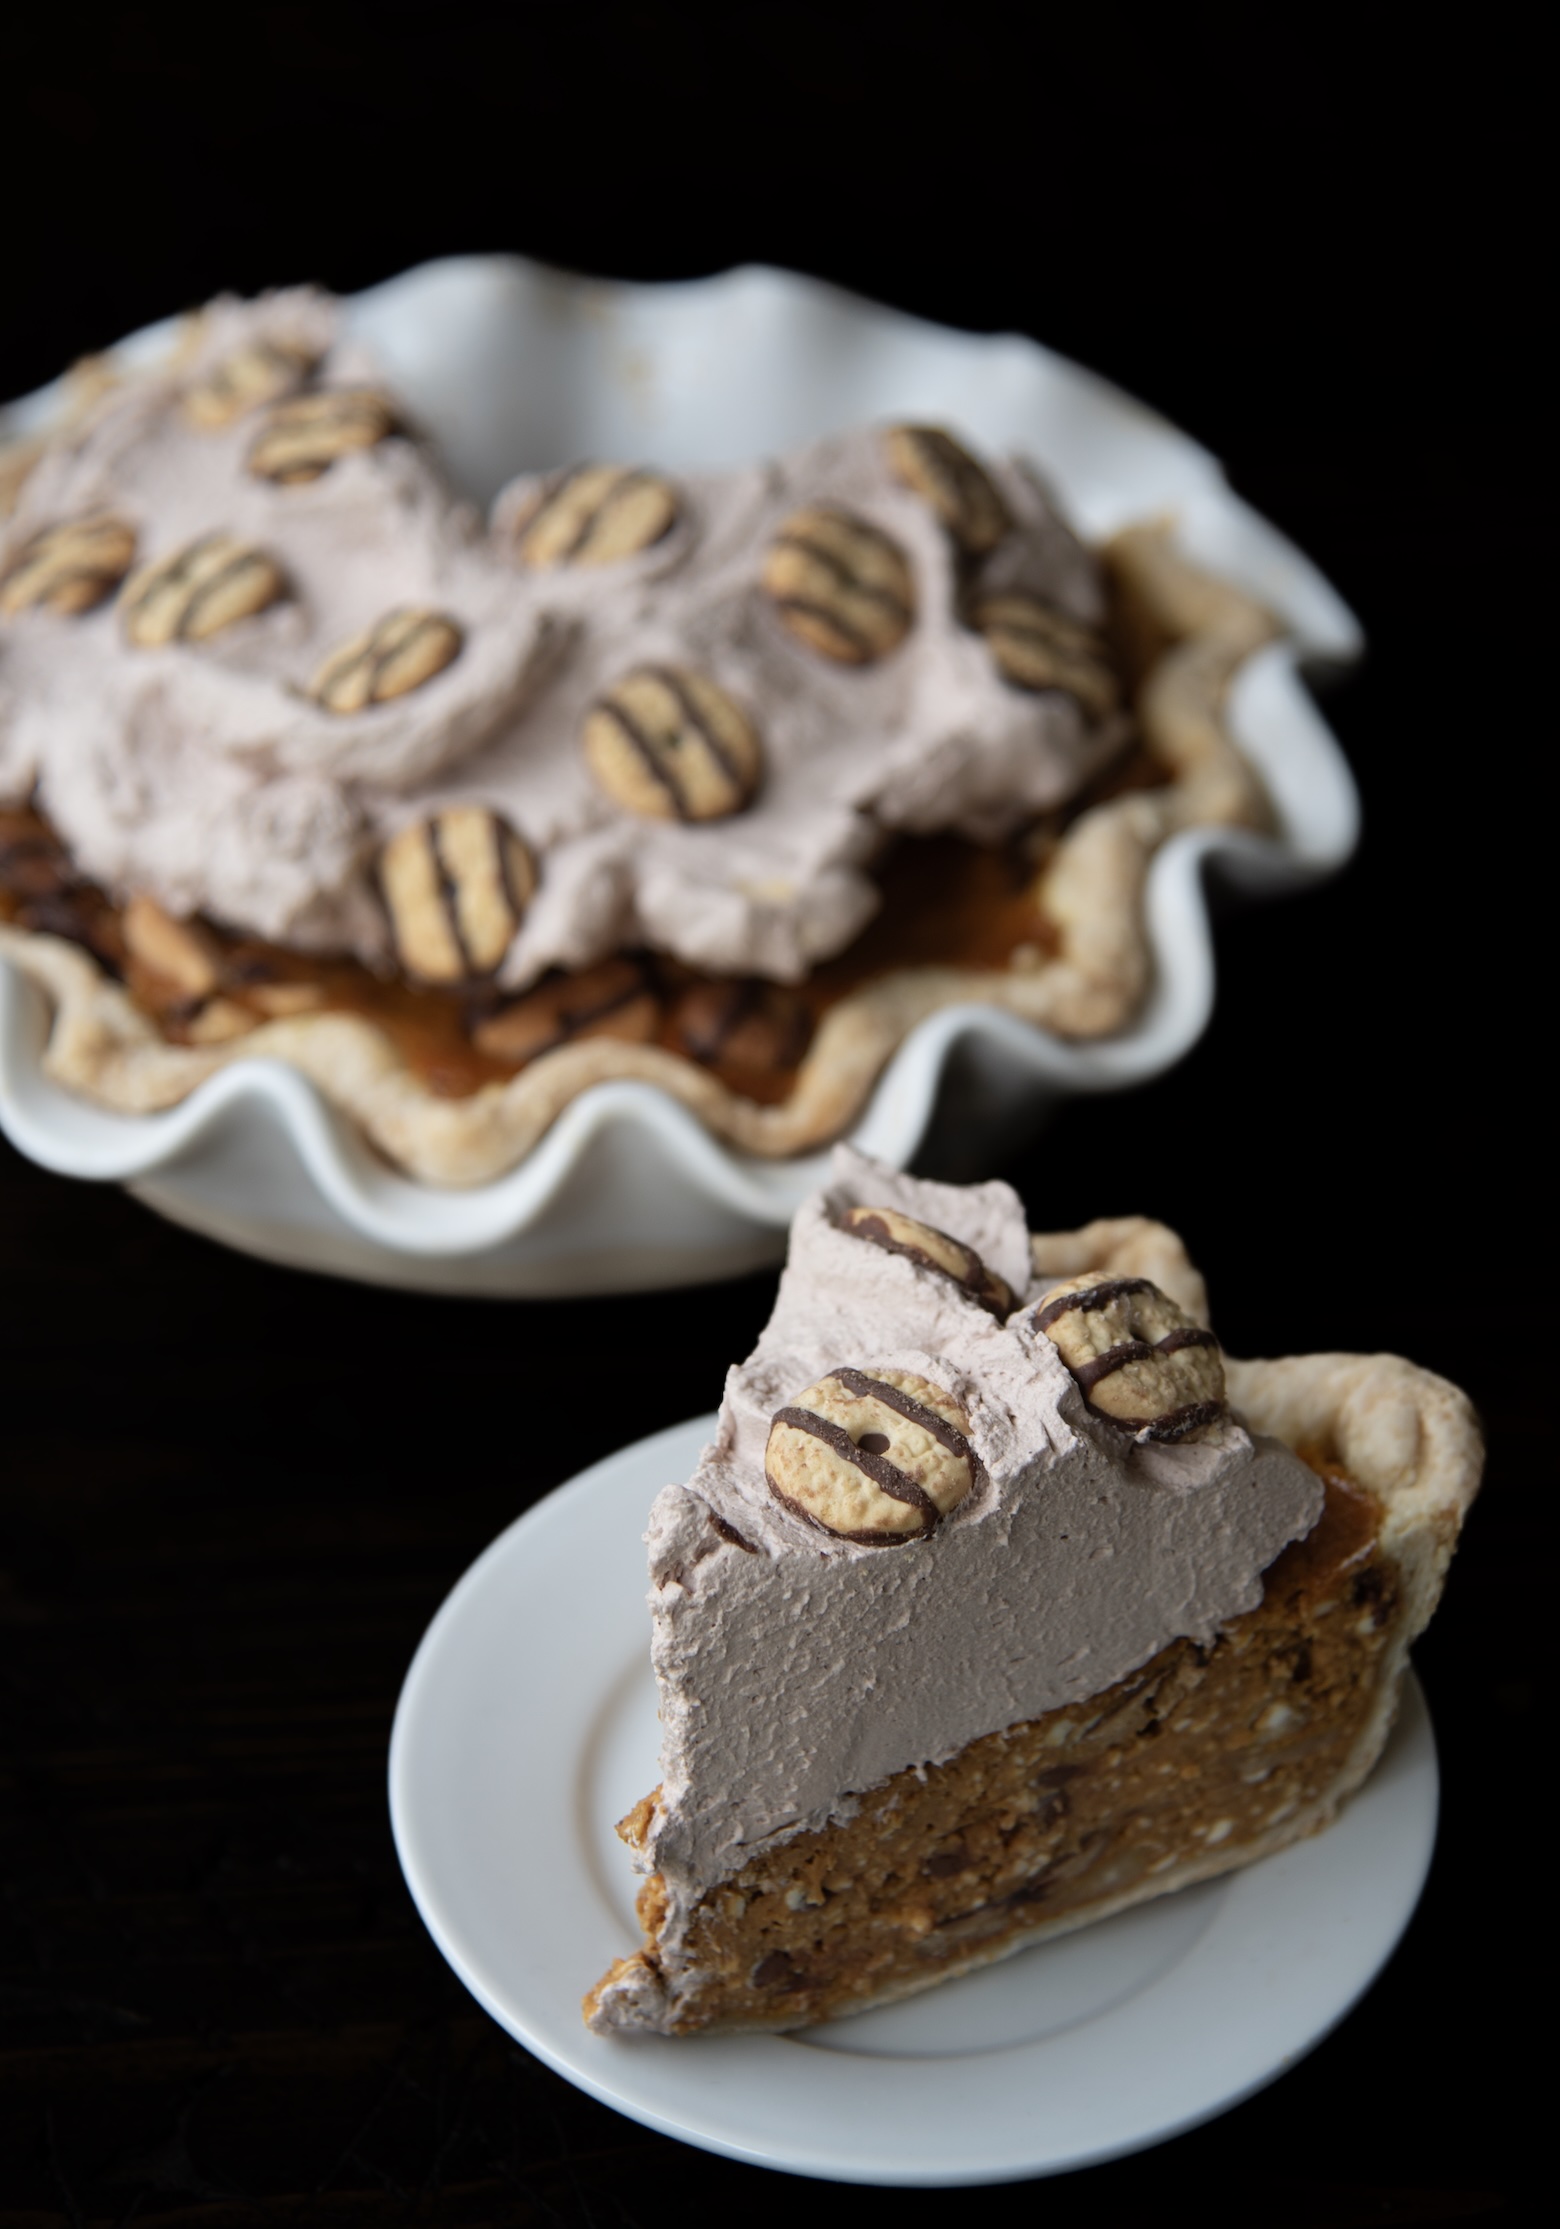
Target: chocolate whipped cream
[(796, 1666), (924, 739), (204, 774)]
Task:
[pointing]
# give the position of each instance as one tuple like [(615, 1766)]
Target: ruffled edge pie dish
[(620, 370)]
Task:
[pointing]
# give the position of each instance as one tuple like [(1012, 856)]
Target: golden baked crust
[(1192, 633)]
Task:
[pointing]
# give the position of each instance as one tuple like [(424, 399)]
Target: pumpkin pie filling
[(1200, 1754)]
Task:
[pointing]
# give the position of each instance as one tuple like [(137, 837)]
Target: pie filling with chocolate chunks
[(723, 782), (1002, 1600)]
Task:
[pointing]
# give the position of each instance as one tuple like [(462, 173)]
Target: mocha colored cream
[(204, 773), (795, 1666)]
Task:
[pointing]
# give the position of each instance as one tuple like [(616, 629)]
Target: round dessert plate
[(527, 1726), (513, 367)]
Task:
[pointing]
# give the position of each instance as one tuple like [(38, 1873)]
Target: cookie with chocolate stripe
[(1035, 646), (68, 568), (840, 584), (669, 743), (597, 514), (919, 1242), (749, 1024), (1139, 1360), (397, 654), (260, 373), (303, 438), (455, 886), (199, 590), (617, 998), (941, 471), (876, 1456)]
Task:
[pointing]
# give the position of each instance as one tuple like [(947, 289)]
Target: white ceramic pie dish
[(513, 366)]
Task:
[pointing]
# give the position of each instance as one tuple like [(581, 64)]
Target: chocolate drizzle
[(851, 581), (982, 1284), (1175, 1424), (671, 680), (589, 519), (644, 748), (517, 898), (867, 1456), (449, 892), (1169, 1424), (1187, 1335), (915, 1412), (1092, 1296), (731, 1534), (650, 748), (897, 1484), (1089, 1374)]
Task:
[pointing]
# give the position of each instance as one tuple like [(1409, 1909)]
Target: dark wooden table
[(232, 1497)]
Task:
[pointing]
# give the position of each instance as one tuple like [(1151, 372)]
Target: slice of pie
[(1001, 1601), (722, 782)]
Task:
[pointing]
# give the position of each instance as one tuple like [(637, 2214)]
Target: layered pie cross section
[(1003, 1600)]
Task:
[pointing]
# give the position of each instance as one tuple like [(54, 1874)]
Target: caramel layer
[(946, 902)]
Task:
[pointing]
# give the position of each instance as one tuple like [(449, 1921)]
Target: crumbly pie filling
[(1202, 1752)]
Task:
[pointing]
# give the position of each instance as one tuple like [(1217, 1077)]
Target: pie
[(1002, 1601), (721, 781)]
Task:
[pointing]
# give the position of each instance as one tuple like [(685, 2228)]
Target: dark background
[(231, 1497)]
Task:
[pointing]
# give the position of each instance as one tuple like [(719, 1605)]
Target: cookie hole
[(873, 1443)]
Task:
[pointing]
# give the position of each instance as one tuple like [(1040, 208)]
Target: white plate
[(527, 1726), (511, 365)]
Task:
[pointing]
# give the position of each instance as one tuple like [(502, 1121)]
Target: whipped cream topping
[(801, 1667), (926, 738), (203, 773)]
